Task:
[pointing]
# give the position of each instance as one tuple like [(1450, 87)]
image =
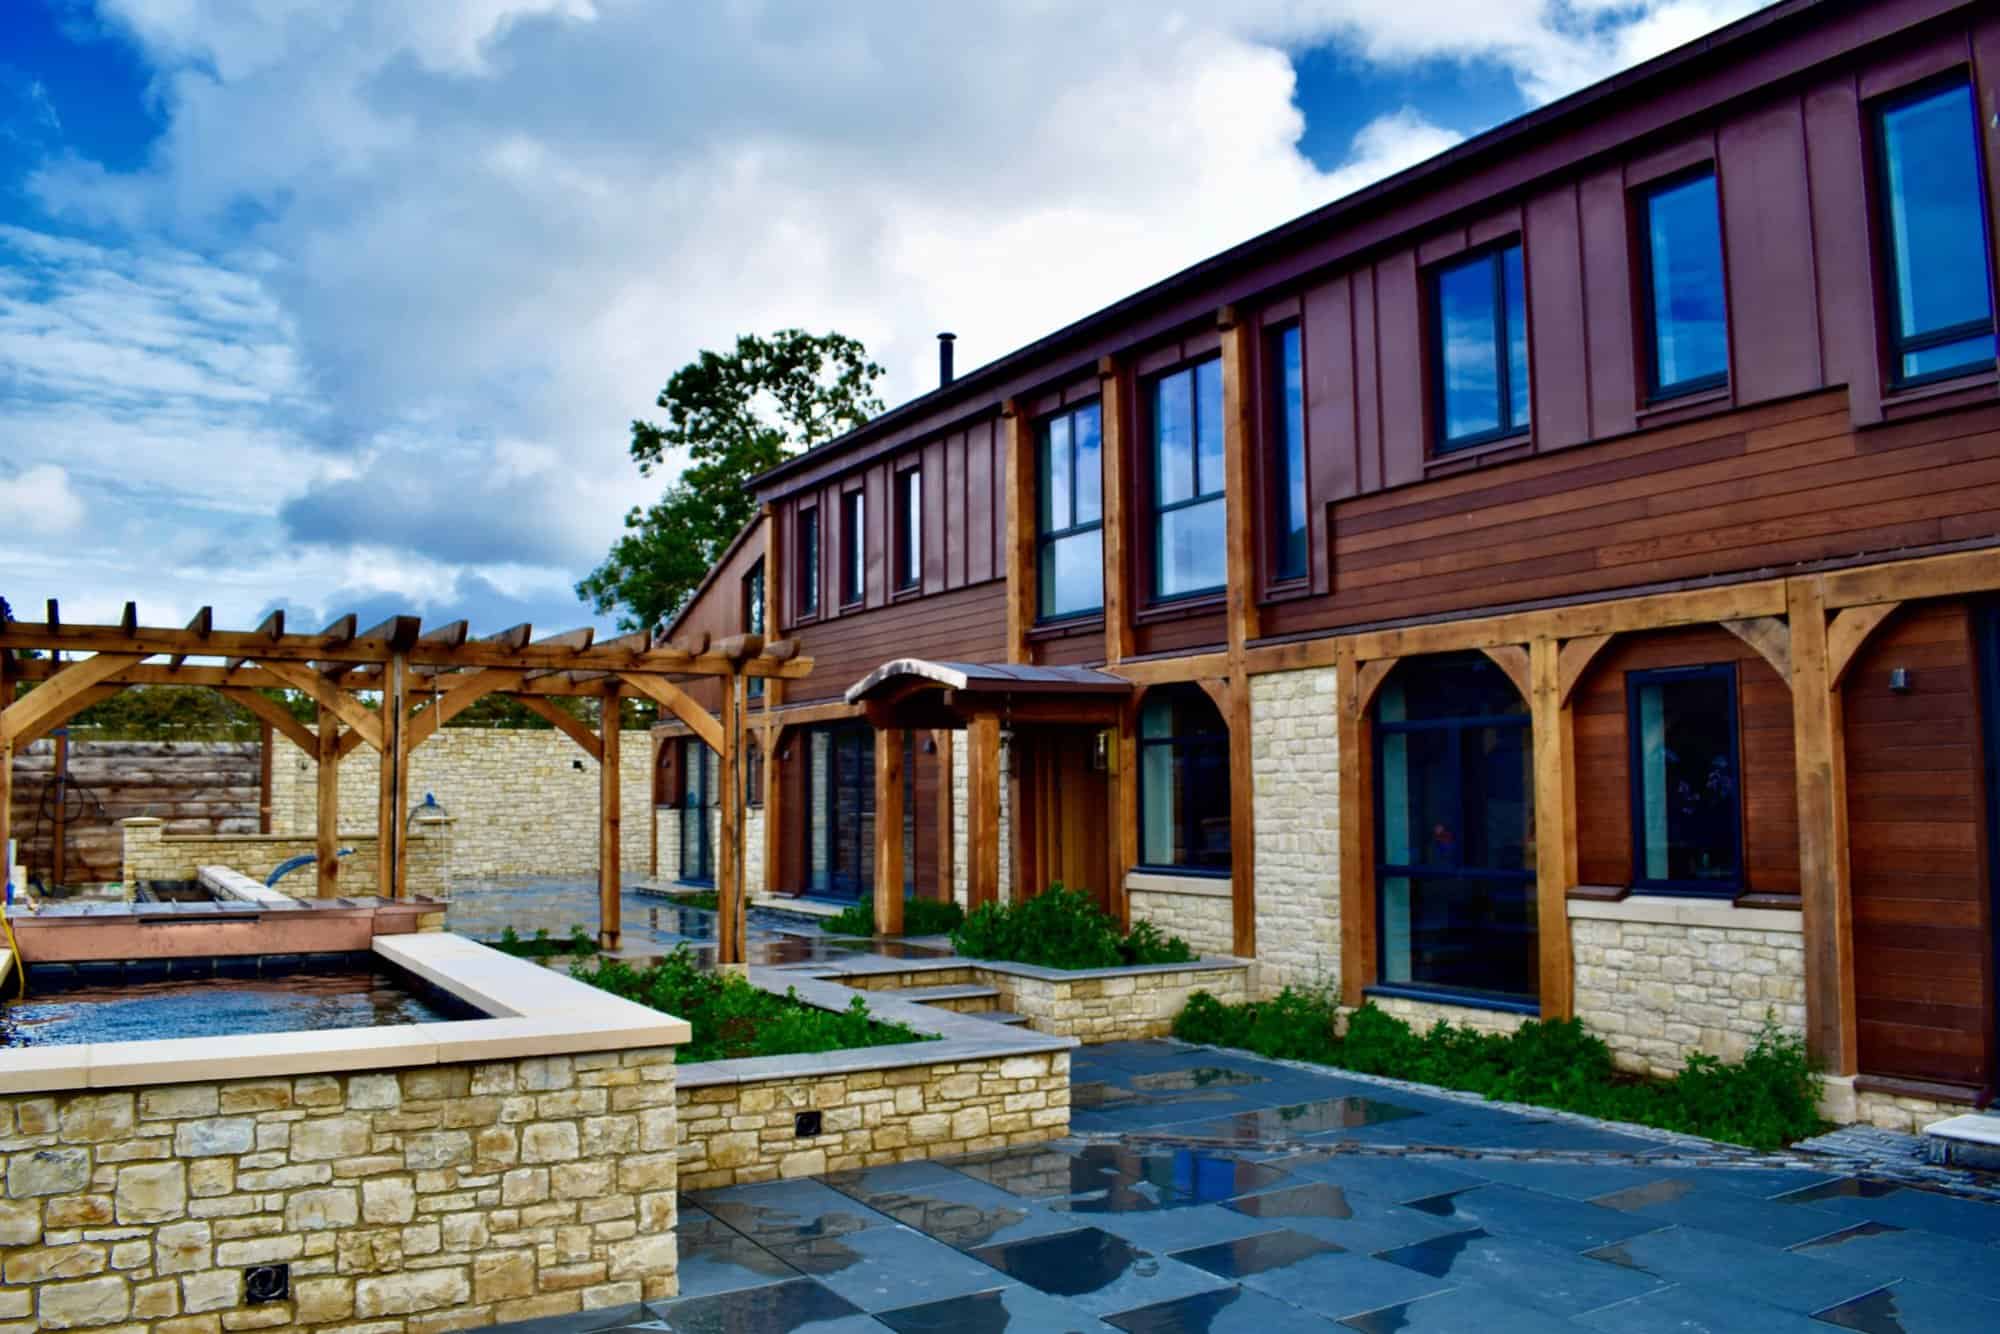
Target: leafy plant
[(700, 898), (542, 946), (921, 917), (732, 1018), (1767, 1099), (1062, 928)]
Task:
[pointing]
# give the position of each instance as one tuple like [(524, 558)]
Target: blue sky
[(333, 304)]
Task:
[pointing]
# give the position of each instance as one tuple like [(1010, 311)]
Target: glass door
[(698, 804)]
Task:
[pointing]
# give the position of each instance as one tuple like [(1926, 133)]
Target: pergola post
[(391, 801), (609, 881), (326, 809), (728, 862), (982, 811), (6, 770), (889, 831)]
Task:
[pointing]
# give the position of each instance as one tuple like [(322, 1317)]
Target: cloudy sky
[(346, 304)]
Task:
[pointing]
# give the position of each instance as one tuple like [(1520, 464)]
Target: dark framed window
[(1687, 314), (700, 797), (1189, 551), (753, 771), (1069, 527), (1933, 209), (1479, 340), (1183, 781), (909, 528), (1288, 453), (853, 547), (1687, 785), (753, 618), (808, 563), (1455, 833)]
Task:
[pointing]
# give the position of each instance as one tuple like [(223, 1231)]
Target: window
[(909, 528), (1455, 831), (1189, 554), (1183, 781), (1687, 804), (1288, 454), (1687, 322), (1934, 220), (1481, 336), (1069, 528), (753, 770), (753, 618), (700, 797), (808, 563), (853, 548), (840, 800)]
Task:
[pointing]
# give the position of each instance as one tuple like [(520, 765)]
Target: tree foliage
[(729, 417)]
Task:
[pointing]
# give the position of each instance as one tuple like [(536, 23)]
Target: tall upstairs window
[(1069, 531), (1288, 454), (1934, 233), (1189, 553), (853, 547), (808, 561), (909, 529), (1687, 320), (753, 619), (1479, 338)]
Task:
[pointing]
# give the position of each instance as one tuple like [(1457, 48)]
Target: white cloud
[(404, 273), (38, 501)]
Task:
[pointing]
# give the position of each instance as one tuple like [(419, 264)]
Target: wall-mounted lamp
[(1899, 680), (576, 765), (930, 745), (1100, 752)]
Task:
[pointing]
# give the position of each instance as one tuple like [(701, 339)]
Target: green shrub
[(1062, 928), (542, 946), (1766, 1100), (732, 1019), (698, 898), (921, 917)]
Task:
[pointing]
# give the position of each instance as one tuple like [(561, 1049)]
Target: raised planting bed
[(1062, 929), (577, 944)]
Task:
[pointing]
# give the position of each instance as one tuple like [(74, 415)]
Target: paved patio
[(1210, 1191)]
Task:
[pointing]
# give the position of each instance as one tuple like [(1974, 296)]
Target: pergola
[(419, 679)]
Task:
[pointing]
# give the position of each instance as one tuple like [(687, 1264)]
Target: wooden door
[(1064, 813)]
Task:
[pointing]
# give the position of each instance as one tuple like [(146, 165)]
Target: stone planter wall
[(1097, 1005), (1198, 909), (432, 1198)]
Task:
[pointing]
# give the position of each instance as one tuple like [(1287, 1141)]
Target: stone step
[(1971, 1141), (1002, 1017), (964, 997)]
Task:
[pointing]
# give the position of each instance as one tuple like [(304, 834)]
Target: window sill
[(1084, 623), (1937, 395), (1176, 872), (907, 593), (1685, 407), (1286, 590), (1464, 1000), (1197, 884), (1641, 907), (1448, 459), (1194, 604)]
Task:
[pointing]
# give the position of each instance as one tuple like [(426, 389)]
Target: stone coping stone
[(875, 964), (80, 912), (538, 1013), (958, 1038)]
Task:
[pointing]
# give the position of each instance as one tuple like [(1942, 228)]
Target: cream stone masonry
[(1198, 909), (1295, 766), (150, 853), (1422, 1014), (1091, 1005), (961, 777), (521, 805), (668, 821), (434, 1177)]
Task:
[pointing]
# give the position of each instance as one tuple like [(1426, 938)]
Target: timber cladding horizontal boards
[(1922, 939), (968, 625), (1739, 491)]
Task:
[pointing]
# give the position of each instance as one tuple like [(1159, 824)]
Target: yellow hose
[(20, 964)]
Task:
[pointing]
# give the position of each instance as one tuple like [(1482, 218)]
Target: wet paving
[(1211, 1192)]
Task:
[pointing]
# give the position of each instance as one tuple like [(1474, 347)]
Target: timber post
[(610, 876), (326, 807), (982, 811), (889, 831), (1825, 886)]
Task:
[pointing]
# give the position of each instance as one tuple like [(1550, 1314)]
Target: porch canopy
[(914, 694), (389, 688)]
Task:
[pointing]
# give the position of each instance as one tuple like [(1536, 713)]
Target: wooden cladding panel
[(1082, 649), (1183, 634), (1603, 756), (1922, 942), (967, 625), (1767, 238), (1737, 491)]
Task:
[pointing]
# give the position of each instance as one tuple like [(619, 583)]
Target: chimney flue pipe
[(945, 341)]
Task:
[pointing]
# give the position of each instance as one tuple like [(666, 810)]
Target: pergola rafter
[(418, 680)]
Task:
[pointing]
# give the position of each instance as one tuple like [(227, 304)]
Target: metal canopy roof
[(994, 678)]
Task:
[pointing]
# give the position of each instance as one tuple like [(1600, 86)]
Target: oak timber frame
[(418, 681)]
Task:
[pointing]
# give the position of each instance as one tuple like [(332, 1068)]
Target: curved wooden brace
[(674, 700), (56, 698), (1849, 634), (1513, 660), (565, 723), (1574, 660), (1771, 637), (366, 723), (1368, 679), (94, 695), (462, 696), (1217, 690), (275, 714)]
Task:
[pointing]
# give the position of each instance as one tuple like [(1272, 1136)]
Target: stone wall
[(197, 787), (522, 807), (150, 853), (1295, 764), (1198, 909), (1422, 1014), (668, 822), (426, 1199), (1099, 1005), (741, 1132), (961, 777), (1658, 978)]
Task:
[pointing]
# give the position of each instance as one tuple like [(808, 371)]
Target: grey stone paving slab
[(1312, 1274), (1964, 1266), (1686, 1310), (1523, 1273), (1456, 1311), (1362, 1223), (716, 1258), (1225, 1311), (966, 1213), (1160, 1230), (1571, 1180), (800, 1306), (1392, 1179), (1712, 1261), (1013, 1307), (1910, 1307), (1098, 1272), (1511, 1210), (780, 1211), (887, 1267), (1925, 1210), (1683, 1199)]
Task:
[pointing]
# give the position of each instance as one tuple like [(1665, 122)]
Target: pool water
[(221, 1007)]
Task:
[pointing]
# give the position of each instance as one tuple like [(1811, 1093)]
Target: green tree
[(729, 417)]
